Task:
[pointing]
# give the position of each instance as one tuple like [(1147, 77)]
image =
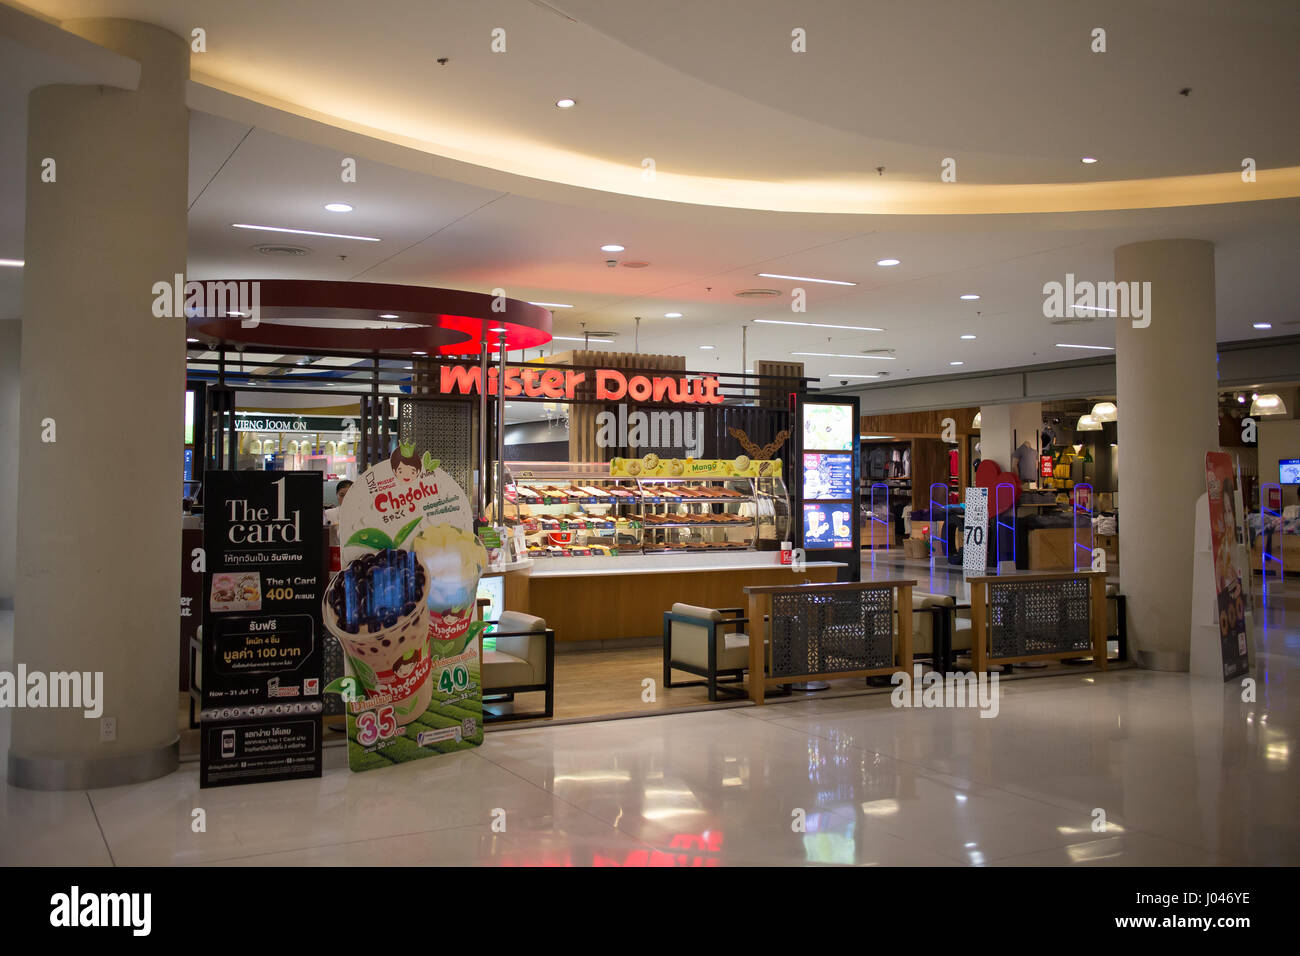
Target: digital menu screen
[(827, 475), (828, 525), (828, 427), (1288, 471)]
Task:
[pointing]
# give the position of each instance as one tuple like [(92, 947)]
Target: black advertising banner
[(262, 655)]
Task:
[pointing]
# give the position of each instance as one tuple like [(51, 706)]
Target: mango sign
[(561, 384)]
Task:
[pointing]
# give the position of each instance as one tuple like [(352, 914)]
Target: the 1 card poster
[(1231, 604), (262, 656)]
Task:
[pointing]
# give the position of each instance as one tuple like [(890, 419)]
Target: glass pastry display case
[(581, 510), (572, 509)]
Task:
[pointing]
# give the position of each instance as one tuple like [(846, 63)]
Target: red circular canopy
[(451, 322)]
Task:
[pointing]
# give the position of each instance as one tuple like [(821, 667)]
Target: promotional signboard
[(262, 659), (403, 606), (1231, 604), (652, 466), (975, 543)]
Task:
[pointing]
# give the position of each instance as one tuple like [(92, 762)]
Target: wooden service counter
[(597, 599)]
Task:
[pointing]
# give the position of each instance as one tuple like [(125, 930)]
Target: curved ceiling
[(731, 116)]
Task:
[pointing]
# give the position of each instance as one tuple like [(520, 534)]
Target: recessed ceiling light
[(566, 103), (777, 275), (1263, 325), (678, 315), (968, 336), (552, 305), (1088, 159), (191, 340), (887, 262), (12, 263), (1099, 348), (338, 207), (820, 325), (389, 315), (497, 328), (302, 232), (419, 353), (612, 247), (970, 295), (1241, 399), (708, 346), (883, 358), (956, 363)]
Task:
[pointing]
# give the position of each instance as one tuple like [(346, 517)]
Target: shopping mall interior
[(786, 434)]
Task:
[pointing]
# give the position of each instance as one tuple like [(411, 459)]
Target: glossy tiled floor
[(1185, 772)]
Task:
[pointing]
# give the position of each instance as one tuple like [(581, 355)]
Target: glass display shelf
[(581, 510)]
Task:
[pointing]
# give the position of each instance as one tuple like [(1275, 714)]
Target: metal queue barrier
[(806, 632), (1038, 617)]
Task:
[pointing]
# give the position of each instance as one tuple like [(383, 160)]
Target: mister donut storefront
[(613, 486)]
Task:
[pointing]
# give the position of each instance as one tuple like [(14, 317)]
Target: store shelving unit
[(579, 511)]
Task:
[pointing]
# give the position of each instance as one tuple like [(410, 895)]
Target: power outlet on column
[(107, 729)]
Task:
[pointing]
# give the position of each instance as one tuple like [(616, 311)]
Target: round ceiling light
[(968, 336), (389, 315), (672, 315), (1263, 325), (1105, 412), (566, 103), (888, 262), (612, 247), (338, 207), (1089, 160), (970, 296), (956, 363)]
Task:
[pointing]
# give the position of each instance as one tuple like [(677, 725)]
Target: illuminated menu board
[(827, 475)]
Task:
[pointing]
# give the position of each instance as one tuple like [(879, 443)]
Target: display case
[(567, 509), (580, 510)]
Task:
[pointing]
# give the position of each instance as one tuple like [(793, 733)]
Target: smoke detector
[(757, 293), (270, 249)]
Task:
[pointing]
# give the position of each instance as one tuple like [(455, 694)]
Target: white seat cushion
[(500, 669)]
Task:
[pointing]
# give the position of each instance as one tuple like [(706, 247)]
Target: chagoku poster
[(403, 607), (262, 660)]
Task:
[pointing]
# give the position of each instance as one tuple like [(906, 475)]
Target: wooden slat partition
[(980, 634), (759, 611)]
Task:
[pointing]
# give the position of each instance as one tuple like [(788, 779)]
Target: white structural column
[(1165, 378), (1003, 428), (98, 572)]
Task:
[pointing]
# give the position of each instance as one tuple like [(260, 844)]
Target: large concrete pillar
[(1165, 377), (98, 575)]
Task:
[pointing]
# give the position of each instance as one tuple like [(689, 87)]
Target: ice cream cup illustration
[(454, 560), (376, 607)]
